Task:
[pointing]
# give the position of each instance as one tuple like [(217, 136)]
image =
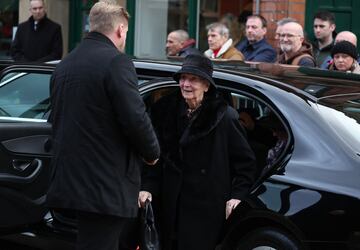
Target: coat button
[(203, 171)]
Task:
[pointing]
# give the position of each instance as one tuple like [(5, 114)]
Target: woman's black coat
[(202, 166), (100, 131)]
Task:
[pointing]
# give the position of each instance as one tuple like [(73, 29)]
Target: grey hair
[(43, 1), (286, 20), (105, 15), (38, 0), (220, 27), (182, 34)]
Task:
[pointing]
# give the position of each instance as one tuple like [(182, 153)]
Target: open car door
[(25, 152)]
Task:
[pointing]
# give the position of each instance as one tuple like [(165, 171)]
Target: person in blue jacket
[(255, 48)]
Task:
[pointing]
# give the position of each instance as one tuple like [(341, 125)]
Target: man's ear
[(333, 26), (119, 30)]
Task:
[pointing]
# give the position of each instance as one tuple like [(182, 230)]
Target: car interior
[(263, 128)]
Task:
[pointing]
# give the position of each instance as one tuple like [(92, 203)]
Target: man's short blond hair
[(105, 15)]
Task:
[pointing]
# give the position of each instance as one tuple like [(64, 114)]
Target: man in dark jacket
[(38, 39), (294, 49), (255, 48), (101, 133), (324, 31), (178, 43)]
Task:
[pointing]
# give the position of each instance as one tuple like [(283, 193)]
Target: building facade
[(152, 20)]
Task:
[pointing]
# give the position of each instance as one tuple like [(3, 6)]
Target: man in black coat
[(38, 39), (101, 132)]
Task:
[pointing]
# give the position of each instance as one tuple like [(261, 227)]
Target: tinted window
[(24, 95), (263, 137)]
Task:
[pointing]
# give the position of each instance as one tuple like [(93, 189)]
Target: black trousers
[(105, 232)]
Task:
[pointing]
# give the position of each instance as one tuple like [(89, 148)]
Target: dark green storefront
[(344, 10)]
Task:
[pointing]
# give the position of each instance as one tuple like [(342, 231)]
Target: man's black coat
[(100, 131), (40, 45)]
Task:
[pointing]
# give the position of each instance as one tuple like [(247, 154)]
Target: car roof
[(317, 82)]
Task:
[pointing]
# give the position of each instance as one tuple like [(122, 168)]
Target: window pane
[(24, 95), (154, 20)]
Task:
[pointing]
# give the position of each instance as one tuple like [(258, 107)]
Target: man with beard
[(294, 49), (255, 47), (324, 29)]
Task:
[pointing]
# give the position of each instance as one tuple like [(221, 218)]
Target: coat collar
[(226, 46), (256, 45), (100, 37), (40, 23), (169, 114), (210, 114)]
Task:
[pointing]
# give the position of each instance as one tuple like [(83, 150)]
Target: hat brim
[(190, 70)]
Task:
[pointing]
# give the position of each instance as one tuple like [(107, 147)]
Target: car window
[(24, 95), (266, 134)]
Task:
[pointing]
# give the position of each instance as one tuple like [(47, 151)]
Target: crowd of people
[(107, 161), (329, 50), (39, 39)]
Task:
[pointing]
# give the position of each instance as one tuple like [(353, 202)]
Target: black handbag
[(149, 239)]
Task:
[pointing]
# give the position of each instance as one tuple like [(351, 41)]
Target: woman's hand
[(143, 196), (230, 206)]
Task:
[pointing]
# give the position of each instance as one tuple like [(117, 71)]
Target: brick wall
[(274, 10)]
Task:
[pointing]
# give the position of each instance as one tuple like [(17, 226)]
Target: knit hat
[(197, 65), (344, 47)]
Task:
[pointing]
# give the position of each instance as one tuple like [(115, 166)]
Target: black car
[(306, 197)]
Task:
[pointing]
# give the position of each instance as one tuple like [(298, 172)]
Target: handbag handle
[(148, 213)]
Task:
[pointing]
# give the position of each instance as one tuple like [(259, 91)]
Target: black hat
[(197, 65), (345, 47)]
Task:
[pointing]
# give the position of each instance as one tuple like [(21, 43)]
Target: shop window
[(154, 20)]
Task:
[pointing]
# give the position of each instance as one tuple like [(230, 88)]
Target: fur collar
[(210, 53), (169, 112)]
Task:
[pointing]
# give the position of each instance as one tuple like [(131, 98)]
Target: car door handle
[(36, 164), (21, 165)]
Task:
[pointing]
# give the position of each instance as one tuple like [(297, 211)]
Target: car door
[(25, 152)]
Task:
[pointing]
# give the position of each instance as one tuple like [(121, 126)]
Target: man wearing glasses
[(294, 49)]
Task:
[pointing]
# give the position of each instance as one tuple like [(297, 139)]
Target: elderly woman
[(344, 56), (206, 167)]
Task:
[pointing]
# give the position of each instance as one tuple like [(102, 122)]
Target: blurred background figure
[(324, 31), (255, 47), (342, 36), (279, 26), (178, 43), (221, 46), (295, 50), (39, 38), (345, 56)]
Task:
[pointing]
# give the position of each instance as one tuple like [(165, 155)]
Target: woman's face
[(343, 62), (193, 87)]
